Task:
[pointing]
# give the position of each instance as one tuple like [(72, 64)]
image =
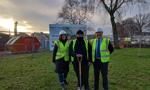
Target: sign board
[(71, 29)]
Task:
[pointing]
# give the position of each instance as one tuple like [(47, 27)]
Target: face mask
[(79, 38)]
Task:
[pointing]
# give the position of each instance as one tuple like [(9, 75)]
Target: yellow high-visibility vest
[(63, 50), (104, 52)]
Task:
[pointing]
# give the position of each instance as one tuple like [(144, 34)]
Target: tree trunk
[(140, 29), (115, 32)]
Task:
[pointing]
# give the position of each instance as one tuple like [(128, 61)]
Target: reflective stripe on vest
[(104, 52), (73, 46), (63, 50)]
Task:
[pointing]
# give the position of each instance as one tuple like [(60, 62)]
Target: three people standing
[(97, 51)]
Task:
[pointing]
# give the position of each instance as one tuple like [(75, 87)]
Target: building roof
[(40, 35), (13, 40), (146, 27), (4, 35)]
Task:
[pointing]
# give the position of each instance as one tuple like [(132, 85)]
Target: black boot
[(66, 83), (63, 87)]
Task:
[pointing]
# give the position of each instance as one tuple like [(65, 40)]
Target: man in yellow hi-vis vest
[(101, 50), (61, 58)]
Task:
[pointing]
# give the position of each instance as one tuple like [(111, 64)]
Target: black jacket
[(80, 48), (110, 48)]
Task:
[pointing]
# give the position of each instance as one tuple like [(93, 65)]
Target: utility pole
[(9, 32), (15, 29)]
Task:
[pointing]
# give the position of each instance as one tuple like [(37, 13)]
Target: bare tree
[(112, 7), (127, 28), (75, 12), (141, 20), (133, 25), (130, 27)]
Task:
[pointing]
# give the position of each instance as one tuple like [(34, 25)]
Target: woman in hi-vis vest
[(61, 58)]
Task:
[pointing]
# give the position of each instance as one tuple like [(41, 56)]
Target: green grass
[(129, 69)]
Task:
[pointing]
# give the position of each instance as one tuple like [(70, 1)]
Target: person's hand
[(89, 63), (79, 55)]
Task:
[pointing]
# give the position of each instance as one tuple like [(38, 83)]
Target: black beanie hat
[(80, 32)]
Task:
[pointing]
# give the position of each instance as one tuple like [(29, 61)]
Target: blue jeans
[(62, 78), (103, 68)]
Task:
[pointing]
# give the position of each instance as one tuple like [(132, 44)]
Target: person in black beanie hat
[(81, 48)]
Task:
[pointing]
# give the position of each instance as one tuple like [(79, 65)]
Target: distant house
[(23, 44), (43, 38), (146, 29), (3, 40)]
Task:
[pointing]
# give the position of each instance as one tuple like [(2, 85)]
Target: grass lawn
[(129, 69)]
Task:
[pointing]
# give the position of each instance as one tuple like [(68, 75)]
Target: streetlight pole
[(15, 29)]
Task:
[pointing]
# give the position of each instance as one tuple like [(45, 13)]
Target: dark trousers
[(62, 78), (85, 73), (62, 68), (103, 68)]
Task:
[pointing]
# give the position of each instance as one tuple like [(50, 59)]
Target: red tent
[(23, 44)]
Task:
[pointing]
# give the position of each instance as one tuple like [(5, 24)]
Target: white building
[(71, 29)]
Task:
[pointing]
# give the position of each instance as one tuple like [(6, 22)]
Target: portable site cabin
[(71, 30), (23, 44), (3, 40)]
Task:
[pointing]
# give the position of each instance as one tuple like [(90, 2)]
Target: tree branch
[(111, 4), (117, 6), (106, 7)]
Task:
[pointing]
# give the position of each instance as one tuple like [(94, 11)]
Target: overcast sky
[(36, 15)]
